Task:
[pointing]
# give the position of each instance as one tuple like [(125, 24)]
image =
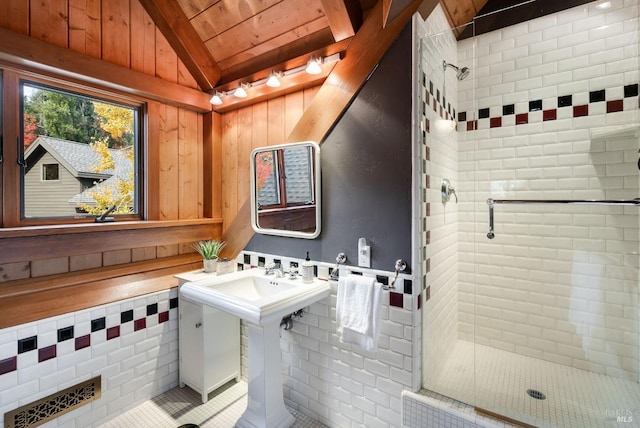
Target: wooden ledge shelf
[(47, 242), (27, 300)]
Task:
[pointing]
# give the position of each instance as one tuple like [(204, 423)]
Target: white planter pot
[(210, 265)]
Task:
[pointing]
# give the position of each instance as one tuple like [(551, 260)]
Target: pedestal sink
[(261, 301)]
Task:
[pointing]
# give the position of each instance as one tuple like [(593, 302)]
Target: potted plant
[(209, 251)]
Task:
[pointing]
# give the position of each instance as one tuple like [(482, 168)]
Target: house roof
[(78, 158), (81, 160), (299, 176)]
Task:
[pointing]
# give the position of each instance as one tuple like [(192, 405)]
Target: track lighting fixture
[(275, 77)]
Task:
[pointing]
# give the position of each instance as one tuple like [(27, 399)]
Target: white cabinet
[(209, 341)]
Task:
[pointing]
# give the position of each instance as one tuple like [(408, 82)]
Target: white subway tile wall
[(132, 344), (557, 118), (342, 385)]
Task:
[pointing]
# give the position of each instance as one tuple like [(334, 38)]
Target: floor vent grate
[(55, 405), (536, 394)]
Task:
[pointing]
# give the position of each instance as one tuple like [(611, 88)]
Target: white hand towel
[(357, 311)]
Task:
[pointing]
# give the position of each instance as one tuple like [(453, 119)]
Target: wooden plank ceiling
[(224, 43)]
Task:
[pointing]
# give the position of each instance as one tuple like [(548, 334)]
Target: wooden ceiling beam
[(185, 41), (344, 16), (280, 59), (334, 96)]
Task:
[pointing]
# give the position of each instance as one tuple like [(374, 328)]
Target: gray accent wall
[(366, 173)]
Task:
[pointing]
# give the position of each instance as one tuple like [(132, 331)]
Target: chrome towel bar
[(609, 202)]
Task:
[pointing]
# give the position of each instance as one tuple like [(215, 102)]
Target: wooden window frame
[(12, 82)]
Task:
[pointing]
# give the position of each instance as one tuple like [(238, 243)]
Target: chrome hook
[(342, 257), (400, 266)]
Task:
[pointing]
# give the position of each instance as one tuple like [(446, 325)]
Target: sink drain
[(189, 426), (536, 394)]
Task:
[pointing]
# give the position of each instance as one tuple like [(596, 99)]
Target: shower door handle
[(610, 202)]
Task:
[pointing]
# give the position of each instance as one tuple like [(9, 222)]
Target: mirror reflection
[(285, 190)]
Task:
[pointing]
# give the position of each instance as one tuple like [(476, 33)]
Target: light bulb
[(274, 80), (216, 99), (241, 92), (313, 66)]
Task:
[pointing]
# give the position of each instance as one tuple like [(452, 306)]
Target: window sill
[(60, 229), (30, 243)]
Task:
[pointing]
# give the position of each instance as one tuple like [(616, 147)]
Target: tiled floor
[(180, 406), (574, 397)]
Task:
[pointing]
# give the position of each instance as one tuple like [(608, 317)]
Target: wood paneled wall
[(122, 33), (116, 31), (263, 124)]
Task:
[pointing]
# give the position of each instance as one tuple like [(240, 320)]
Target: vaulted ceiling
[(226, 43)]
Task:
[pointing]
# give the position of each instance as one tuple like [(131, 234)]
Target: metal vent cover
[(55, 405)]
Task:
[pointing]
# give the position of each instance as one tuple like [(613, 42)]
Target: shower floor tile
[(574, 397), (180, 406)]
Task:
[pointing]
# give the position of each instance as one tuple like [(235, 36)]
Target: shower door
[(551, 134)]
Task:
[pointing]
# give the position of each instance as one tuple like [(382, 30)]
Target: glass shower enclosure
[(531, 282)]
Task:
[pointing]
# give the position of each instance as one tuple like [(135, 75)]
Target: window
[(285, 178), (50, 172), (86, 147)]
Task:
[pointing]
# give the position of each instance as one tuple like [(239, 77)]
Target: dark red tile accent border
[(550, 114), (419, 301), (47, 353), (8, 365), (579, 111), (113, 332), (396, 299), (614, 106), (139, 324), (563, 101), (522, 118), (27, 344), (427, 294), (83, 341)]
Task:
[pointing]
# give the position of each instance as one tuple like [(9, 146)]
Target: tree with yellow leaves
[(118, 190)]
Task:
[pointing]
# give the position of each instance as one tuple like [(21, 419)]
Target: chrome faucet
[(273, 269)]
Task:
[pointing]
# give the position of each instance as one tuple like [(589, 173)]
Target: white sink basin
[(253, 296)]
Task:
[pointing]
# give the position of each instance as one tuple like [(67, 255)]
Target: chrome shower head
[(461, 73)]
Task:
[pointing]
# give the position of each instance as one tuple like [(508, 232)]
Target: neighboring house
[(59, 173)]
